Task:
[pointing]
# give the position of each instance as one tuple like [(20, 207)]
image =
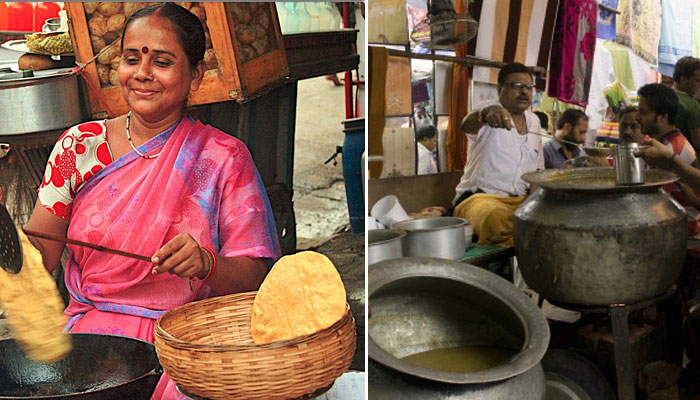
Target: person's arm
[(695, 137), (42, 220), (657, 154), (493, 116), (185, 258)]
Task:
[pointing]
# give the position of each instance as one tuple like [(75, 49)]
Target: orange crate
[(245, 51)]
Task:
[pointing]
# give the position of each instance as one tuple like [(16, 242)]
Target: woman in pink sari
[(156, 183)]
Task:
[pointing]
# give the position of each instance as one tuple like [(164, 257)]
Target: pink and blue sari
[(203, 183)]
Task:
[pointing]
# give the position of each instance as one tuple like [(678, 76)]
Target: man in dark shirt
[(572, 126)]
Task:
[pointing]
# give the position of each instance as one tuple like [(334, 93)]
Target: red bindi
[(144, 50)]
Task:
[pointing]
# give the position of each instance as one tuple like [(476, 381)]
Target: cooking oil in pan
[(461, 359)]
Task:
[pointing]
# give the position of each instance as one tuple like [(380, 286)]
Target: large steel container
[(440, 237), (45, 102), (384, 244), (581, 239), (421, 304)]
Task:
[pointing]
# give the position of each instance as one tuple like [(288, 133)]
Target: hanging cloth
[(639, 27), (573, 46), (607, 21), (456, 140)]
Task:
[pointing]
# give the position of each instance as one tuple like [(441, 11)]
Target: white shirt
[(426, 161), (497, 157)]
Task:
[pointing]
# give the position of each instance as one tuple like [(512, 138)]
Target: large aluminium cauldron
[(421, 304), (98, 367), (580, 239)]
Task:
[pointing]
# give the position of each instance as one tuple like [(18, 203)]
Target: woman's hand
[(183, 257)]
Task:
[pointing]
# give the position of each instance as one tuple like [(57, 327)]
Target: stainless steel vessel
[(440, 237), (384, 244), (420, 304), (629, 170), (582, 239), (45, 102)]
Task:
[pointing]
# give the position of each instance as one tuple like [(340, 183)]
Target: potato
[(241, 12), (130, 8), (113, 77), (103, 73), (90, 7), (108, 8), (210, 61), (98, 25), (263, 19), (116, 22), (36, 62), (260, 32), (110, 37), (247, 53), (115, 62), (97, 43), (261, 46), (105, 58), (245, 34)]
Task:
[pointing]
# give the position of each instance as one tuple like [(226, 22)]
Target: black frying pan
[(99, 367)]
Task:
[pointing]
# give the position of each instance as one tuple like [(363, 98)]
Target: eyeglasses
[(520, 86)]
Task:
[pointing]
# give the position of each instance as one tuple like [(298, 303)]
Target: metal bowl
[(384, 244), (440, 237), (595, 180), (420, 304)]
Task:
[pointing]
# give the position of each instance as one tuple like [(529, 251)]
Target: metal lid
[(598, 179), (429, 224)]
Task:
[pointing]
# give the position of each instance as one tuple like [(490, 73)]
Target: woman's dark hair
[(425, 132), (661, 99), (572, 116), (189, 30)]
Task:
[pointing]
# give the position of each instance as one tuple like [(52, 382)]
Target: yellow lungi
[(491, 216)]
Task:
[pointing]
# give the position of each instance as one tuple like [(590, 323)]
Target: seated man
[(630, 129), (426, 140), (501, 149), (572, 126)]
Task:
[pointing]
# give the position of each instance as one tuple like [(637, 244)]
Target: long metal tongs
[(11, 248)]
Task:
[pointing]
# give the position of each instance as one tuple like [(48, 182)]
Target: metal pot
[(420, 304), (45, 102), (439, 237), (99, 367), (384, 244), (582, 239)]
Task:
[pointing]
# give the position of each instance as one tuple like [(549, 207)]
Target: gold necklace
[(128, 136)]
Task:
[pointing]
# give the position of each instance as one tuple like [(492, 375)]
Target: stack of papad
[(302, 294)]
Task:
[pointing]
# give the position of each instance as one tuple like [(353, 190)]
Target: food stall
[(249, 90), (570, 235)]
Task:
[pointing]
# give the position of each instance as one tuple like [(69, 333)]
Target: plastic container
[(3, 16), (44, 11), (20, 16), (388, 211), (353, 146)]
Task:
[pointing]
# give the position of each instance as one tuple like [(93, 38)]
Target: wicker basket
[(207, 350)]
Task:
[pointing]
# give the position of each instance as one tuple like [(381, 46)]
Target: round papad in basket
[(207, 350)]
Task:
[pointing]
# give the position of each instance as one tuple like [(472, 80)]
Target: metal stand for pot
[(619, 322)]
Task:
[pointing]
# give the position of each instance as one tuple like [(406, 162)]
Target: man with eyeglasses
[(503, 145)]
